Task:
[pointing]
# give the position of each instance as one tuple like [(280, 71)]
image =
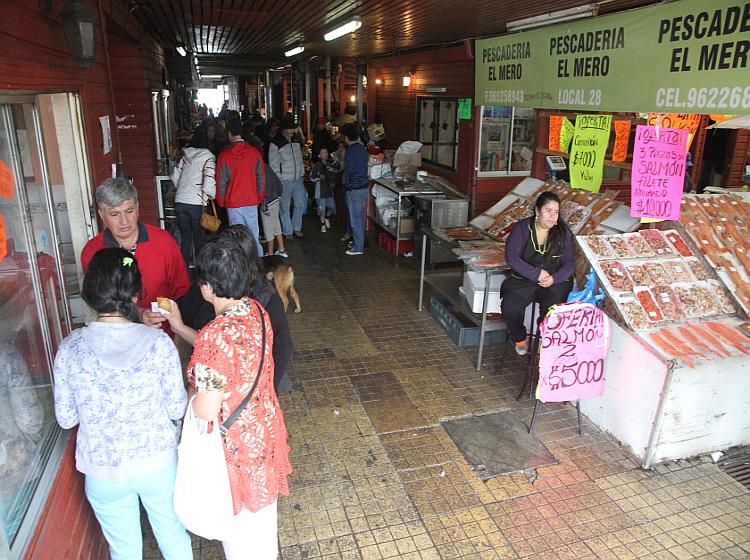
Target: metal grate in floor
[(736, 463)]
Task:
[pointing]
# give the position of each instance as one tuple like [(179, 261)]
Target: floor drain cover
[(736, 463), (498, 443)]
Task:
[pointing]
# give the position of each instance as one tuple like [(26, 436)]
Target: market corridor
[(377, 476)]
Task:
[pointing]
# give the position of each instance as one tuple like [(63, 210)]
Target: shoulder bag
[(210, 222), (202, 495)]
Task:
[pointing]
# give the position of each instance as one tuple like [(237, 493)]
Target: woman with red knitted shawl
[(223, 368)]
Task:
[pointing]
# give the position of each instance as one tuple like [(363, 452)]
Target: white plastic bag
[(409, 147), (202, 497)]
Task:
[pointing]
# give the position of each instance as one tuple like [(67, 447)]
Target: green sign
[(687, 56), (464, 108), (587, 153), (566, 134)]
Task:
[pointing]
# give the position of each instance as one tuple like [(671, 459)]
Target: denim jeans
[(191, 232), (356, 200), (292, 190), (116, 507), (247, 216), (326, 206)]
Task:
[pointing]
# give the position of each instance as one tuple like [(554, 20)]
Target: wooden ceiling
[(245, 36)]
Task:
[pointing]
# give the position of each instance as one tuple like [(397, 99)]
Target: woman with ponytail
[(121, 383), (539, 251)]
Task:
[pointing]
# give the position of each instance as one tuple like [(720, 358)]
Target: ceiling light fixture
[(296, 50), (378, 82), (349, 27), (79, 24), (181, 51), (570, 14), (353, 98), (406, 80)]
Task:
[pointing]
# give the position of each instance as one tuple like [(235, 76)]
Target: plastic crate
[(460, 330)]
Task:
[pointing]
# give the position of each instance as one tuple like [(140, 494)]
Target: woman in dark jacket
[(539, 251)]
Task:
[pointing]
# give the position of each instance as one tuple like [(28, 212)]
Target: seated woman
[(539, 251), (121, 383), (224, 366)]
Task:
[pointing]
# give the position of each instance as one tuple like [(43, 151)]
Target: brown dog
[(280, 272)]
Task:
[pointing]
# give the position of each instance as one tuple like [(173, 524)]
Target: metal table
[(447, 283), (401, 191)]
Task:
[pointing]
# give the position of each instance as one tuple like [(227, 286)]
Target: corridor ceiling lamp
[(406, 80), (349, 27), (79, 23), (296, 50), (353, 98), (181, 51), (570, 14), (378, 82)]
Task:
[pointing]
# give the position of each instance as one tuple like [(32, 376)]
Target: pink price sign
[(574, 340), (658, 173)]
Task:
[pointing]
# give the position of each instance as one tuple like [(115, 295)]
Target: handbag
[(209, 222), (202, 495)]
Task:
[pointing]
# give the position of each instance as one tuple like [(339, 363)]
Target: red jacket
[(240, 176)]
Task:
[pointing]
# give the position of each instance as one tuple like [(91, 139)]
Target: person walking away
[(326, 175), (195, 179), (121, 383), (322, 139), (539, 251), (285, 158), (163, 270), (356, 182), (270, 207), (225, 363), (240, 180)]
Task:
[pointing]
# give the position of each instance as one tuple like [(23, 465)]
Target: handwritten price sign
[(7, 183), (587, 154), (574, 341), (658, 173)]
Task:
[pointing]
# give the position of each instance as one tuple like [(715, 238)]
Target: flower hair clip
[(127, 261)]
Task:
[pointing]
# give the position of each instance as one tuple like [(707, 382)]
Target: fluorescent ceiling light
[(296, 50), (579, 12), (348, 27), (181, 51), (213, 76)]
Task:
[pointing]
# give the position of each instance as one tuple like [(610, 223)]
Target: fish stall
[(677, 376)]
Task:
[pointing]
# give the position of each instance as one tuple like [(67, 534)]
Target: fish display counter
[(677, 377)]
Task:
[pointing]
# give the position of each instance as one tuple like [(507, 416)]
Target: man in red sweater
[(240, 180), (162, 267)]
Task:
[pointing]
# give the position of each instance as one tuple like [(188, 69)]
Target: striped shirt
[(355, 167)]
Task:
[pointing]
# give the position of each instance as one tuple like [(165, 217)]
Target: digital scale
[(555, 164)]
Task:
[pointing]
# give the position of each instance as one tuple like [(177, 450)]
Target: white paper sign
[(106, 134)]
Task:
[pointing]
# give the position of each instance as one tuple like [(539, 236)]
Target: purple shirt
[(519, 238)]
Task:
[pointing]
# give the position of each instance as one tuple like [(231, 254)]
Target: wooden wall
[(740, 158), (34, 57)]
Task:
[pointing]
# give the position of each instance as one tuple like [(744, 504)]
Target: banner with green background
[(688, 56)]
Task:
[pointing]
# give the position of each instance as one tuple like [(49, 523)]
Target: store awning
[(742, 121)]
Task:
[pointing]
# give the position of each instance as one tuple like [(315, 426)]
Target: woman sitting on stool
[(539, 251)]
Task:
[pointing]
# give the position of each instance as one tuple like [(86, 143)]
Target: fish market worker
[(539, 251)]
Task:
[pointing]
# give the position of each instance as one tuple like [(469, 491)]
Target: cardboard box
[(407, 224), (407, 159)]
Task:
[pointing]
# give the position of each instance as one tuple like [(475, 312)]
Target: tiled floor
[(376, 476)]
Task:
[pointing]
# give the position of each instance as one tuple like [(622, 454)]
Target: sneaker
[(288, 237), (282, 254), (521, 348), (298, 234), (328, 223), (352, 252), (323, 229), (350, 244), (346, 237)]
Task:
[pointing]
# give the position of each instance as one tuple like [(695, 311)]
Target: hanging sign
[(574, 342), (555, 124), (3, 239), (566, 134), (622, 138), (7, 182), (464, 108), (681, 121), (686, 56), (658, 174), (587, 154)]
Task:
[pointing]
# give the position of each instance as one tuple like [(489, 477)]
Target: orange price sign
[(3, 239), (7, 182), (622, 137), (555, 124), (680, 121)]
